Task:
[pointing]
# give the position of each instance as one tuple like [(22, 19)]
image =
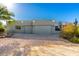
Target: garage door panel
[(28, 29), (42, 29)]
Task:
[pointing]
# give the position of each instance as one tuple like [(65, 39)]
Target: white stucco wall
[(36, 27)]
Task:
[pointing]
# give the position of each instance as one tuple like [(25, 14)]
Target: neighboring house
[(35, 27)]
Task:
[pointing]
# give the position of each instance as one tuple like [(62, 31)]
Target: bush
[(67, 35), (70, 32), (2, 29), (67, 31), (75, 40), (77, 32)]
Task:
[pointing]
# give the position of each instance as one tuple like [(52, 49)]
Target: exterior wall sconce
[(22, 22), (53, 22), (33, 21)]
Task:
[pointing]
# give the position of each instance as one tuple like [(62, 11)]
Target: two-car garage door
[(42, 29)]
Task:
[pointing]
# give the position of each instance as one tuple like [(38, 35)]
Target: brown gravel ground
[(37, 45)]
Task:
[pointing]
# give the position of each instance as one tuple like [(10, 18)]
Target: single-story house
[(35, 27)]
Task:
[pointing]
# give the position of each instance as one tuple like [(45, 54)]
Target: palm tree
[(5, 14)]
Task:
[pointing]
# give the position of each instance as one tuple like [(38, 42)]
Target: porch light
[(53, 21), (33, 21), (21, 21)]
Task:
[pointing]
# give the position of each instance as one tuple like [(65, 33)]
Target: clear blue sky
[(46, 11)]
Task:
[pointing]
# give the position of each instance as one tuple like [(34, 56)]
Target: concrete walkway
[(37, 45)]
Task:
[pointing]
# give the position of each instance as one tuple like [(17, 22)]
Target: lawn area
[(37, 45)]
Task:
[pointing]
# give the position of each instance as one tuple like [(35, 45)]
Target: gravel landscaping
[(37, 45)]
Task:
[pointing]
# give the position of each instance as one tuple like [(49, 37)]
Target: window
[(18, 27), (57, 28)]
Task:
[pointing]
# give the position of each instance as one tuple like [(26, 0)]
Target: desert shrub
[(67, 31), (2, 29), (74, 40), (77, 31)]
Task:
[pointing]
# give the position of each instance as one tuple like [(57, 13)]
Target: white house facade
[(35, 27)]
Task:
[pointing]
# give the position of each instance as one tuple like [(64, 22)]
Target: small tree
[(75, 25)]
